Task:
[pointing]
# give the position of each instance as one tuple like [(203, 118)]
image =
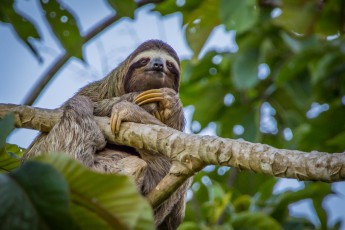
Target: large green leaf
[(64, 26), (102, 201), (23, 25), (35, 196), (239, 15)]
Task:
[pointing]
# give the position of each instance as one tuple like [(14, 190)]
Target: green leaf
[(200, 24), (338, 140), (321, 68), (123, 8), (328, 21), (102, 200), (245, 69), (321, 213), (312, 190), (22, 25), (10, 157), (254, 221), (189, 225), (219, 200), (242, 203), (266, 189), (171, 6), (254, 182), (64, 26), (298, 224), (239, 15), (35, 196), (298, 16), (6, 127)]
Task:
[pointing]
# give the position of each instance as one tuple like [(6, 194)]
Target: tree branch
[(190, 153)]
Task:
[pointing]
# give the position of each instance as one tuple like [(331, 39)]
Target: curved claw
[(115, 123), (158, 116), (153, 95)]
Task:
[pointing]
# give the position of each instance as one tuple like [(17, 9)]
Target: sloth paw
[(126, 111), (165, 98)]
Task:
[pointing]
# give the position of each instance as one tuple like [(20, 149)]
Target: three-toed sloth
[(142, 89)]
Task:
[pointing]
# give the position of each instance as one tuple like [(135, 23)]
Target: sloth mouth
[(156, 73)]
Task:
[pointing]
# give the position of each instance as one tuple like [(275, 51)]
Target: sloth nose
[(157, 64)]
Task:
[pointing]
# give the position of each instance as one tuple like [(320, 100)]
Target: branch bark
[(190, 152)]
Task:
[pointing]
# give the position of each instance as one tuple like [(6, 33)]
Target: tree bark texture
[(191, 152)]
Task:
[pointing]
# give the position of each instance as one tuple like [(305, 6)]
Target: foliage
[(56, 192), (290, 106), (284, 86)]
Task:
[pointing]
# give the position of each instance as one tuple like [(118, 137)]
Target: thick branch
[(190, 152)]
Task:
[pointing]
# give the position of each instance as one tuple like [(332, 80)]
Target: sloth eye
[(144, 61), (169, 64)]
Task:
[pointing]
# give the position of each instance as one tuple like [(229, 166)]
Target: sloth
[(143, 89)]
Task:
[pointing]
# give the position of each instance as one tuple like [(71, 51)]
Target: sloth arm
[(156, 106)]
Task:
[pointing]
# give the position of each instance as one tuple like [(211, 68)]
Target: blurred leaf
[(10, 157), (197, 80), (239, 15), (298, 224), (328, 21), (35, 196), (200, 24), (323, 67), (320, 133), (199, 16), (188, 225), (245, 69), (64, 26), (22, 25), (6, 127), (242, 203), (295, 66), (338, 140), (312, 190), (265, 190), (102, 200), (171, 6), (255, 221), (253, 182), (123, 8), (298, 16), (219, 200), (321, 212)]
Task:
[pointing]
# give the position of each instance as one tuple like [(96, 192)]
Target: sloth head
[(153, 65)]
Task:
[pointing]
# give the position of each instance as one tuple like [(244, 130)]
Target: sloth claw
[(153, 95), (158, 116), (115, 122)]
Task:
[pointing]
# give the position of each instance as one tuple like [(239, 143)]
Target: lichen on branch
[(190, 153)]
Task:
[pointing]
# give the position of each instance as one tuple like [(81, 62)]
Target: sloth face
[(152, 69)]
